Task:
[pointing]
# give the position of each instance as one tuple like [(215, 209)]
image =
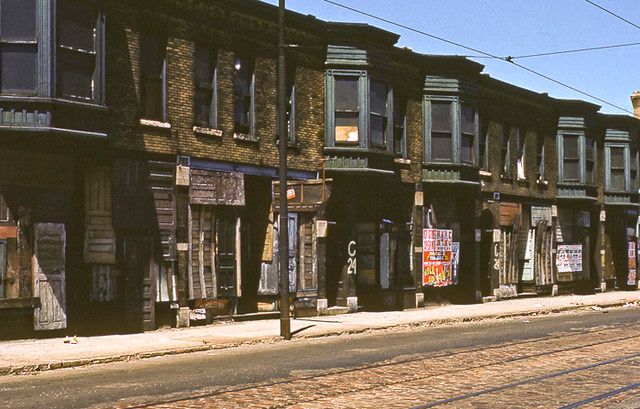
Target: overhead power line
[(576, 50), (613, 14), (484, 53)]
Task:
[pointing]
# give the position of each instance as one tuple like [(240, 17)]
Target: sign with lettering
[(437, 266), (539, 214), (631, 277), (569, 258)]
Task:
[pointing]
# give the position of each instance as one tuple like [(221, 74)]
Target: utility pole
[(283, 225)]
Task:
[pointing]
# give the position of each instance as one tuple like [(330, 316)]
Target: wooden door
[(226, 230), (139, 283), (49, 274)]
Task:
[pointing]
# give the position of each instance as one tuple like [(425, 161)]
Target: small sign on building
[(569, 258)]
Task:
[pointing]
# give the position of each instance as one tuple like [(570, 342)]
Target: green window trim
[(358, 116), (453, 152), (583, 175), (629, 159)]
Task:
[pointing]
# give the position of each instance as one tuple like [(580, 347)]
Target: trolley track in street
[(577, 338)]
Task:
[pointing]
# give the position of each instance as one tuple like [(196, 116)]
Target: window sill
[(201, 130), (247, 137), (484, 174), (541, 182), (151, 123), (402, 161)]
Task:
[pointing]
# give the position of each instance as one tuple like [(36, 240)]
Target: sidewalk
[(46, 354)]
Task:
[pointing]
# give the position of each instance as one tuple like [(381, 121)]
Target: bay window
[(441, 132), (621, 164), (467, 134), (347, 110), (18, 47), (570, 158), (379, 94), (77, 61)]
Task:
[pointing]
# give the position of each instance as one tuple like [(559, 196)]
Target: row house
[(138, 171)]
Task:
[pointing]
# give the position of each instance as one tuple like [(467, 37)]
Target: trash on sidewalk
[(596, 307), (68, 340)]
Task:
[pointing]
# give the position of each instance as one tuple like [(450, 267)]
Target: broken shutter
[(307, 276), (99, 243), (202, 271), (162, 188), (49, 266), (293, 252), (268, 284)]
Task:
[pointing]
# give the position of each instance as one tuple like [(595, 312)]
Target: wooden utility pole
[(283, 225)]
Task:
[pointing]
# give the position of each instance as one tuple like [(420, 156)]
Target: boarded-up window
[(307, 276), (213, 262)]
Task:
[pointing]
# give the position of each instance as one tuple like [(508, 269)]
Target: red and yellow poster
[(437, 261), (631, 277)]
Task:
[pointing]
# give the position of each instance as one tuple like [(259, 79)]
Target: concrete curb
[(25, 369)]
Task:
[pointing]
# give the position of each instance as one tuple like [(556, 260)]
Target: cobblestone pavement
[(593, 369)]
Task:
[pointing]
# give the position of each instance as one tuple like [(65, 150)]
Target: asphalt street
[(184, 376)]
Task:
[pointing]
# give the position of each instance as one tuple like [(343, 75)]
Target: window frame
[(290, 115), (98, 53), (400, 107), (521, 153), (505, 151), (203, 86), (474, 136), (41, 61), (540, 156), (249, 61), (626, 167), (483, 144), (383, 115), (562, 159), (162, 77)]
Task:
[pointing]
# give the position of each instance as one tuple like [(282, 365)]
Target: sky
[(516, 28)]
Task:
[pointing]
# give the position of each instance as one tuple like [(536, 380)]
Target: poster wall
[(437, 258), (631, 277), (569, 258)]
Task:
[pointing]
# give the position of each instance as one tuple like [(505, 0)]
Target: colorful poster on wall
[(569, 258), (437, 266), (631, 278)]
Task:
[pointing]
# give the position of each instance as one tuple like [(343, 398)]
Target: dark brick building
[(139, 151)]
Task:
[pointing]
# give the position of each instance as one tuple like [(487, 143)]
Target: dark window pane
[(379, 94), (242, 77), (242, 107), (589, 169), (378, 127), (440, 146), (617, 179), (440, 117), (346, 93), (466, 145), (468, 120), (571, 170), (152, 103), (571, 146), (76, 25), (75, 74), (18, 20), (204, 66), (203, 107), (399, 115), (589, 148), (617, 157), (152, 54), (634, 159), (346, 128), (18, 67)]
